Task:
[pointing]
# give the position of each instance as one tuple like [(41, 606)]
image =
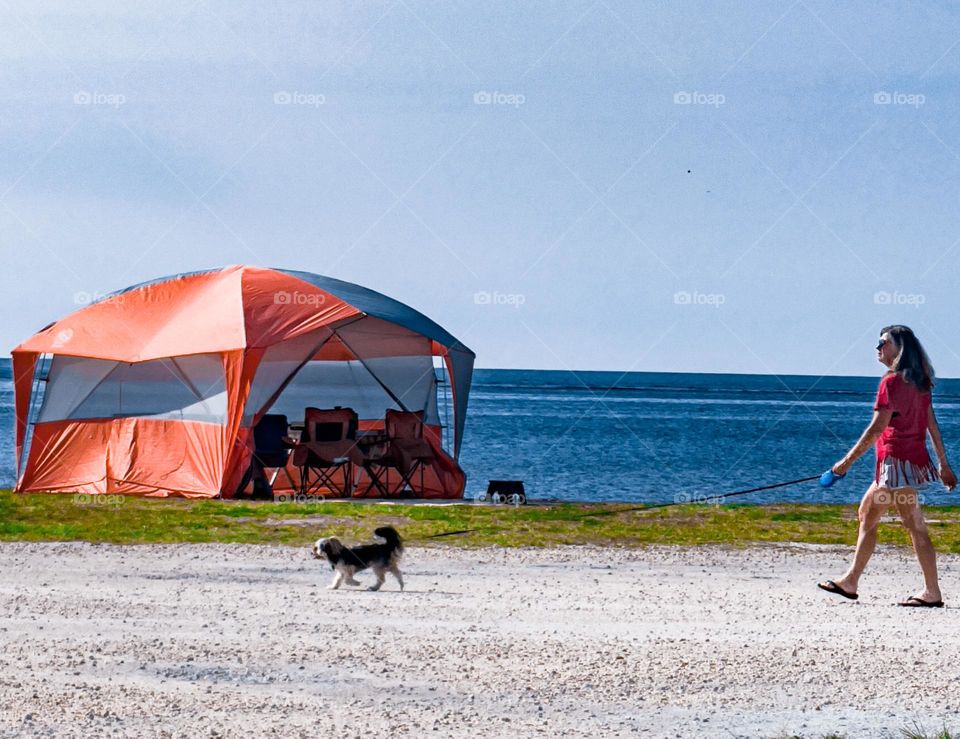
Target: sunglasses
[(883, 343)]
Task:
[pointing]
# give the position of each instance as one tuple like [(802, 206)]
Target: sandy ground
[(219, 640)]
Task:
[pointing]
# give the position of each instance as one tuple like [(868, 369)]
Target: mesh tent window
[(189, 388)]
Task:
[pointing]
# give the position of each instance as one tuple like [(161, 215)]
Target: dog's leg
[(395, 571), (336, 581), (350, 579), (381, 576)]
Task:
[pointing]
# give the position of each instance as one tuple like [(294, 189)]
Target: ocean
[(653, 437)]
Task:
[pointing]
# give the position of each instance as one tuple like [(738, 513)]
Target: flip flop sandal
[(915, 602), (831, 587)]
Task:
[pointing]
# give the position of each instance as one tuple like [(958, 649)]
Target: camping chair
[(407, 451), (327, 445), (270, 451)]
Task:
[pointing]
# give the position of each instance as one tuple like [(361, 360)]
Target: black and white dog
[(347, 561)]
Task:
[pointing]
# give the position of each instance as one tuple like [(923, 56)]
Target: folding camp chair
[(407, 452), (327, 446)]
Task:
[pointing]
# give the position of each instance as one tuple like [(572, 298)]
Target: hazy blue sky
[(749, 187)]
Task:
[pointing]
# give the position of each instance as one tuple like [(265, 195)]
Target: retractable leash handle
[(829, 477)]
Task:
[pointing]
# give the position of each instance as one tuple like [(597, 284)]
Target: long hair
[(912, 362)]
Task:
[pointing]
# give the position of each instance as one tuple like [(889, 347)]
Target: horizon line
[(686, 372)]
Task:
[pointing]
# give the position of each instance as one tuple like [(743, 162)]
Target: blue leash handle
[(829, 477)]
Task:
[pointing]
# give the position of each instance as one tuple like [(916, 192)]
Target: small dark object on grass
[(511, 491)]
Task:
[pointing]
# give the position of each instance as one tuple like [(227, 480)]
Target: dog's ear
[(332, 546)]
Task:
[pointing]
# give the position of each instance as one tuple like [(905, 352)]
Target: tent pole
[(387, 390), (273, 398)]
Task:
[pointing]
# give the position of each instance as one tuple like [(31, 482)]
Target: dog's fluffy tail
[(390, 535)]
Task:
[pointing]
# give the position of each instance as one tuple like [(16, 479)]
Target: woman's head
[(902, 352)]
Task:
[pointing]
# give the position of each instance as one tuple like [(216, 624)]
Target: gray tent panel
[(376, 304)]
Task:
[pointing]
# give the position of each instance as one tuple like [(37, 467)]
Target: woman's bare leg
[(909, 509), (875, 503)]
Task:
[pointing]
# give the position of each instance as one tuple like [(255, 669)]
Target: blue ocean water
[(650, 437)]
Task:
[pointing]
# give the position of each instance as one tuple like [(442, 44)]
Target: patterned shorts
[(898, 473)]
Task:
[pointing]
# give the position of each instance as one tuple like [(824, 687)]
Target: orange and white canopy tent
[(155, 389)]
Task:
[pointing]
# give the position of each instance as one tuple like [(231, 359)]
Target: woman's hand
[(880, 420), (841, 467), (947, 477)]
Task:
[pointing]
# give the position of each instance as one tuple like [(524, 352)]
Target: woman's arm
[(946, 473), (878, 423)]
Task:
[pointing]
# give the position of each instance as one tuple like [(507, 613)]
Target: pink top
[(905, 437)]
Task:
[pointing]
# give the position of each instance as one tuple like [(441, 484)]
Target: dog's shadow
[(366, 591)]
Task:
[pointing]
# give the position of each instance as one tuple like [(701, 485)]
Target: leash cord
[(706, 499), (617, 512)]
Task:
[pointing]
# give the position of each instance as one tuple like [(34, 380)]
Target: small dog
[(347, 561)]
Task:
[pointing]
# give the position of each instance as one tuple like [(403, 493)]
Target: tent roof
[(225, 309), (380, 306)]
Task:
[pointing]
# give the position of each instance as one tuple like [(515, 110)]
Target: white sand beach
[(222, 640)]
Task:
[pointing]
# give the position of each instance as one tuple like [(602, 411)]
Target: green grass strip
[(123, 520)]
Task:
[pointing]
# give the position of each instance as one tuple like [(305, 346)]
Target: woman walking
[(902, 417)]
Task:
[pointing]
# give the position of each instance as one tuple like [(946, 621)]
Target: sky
[(669, 186)]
